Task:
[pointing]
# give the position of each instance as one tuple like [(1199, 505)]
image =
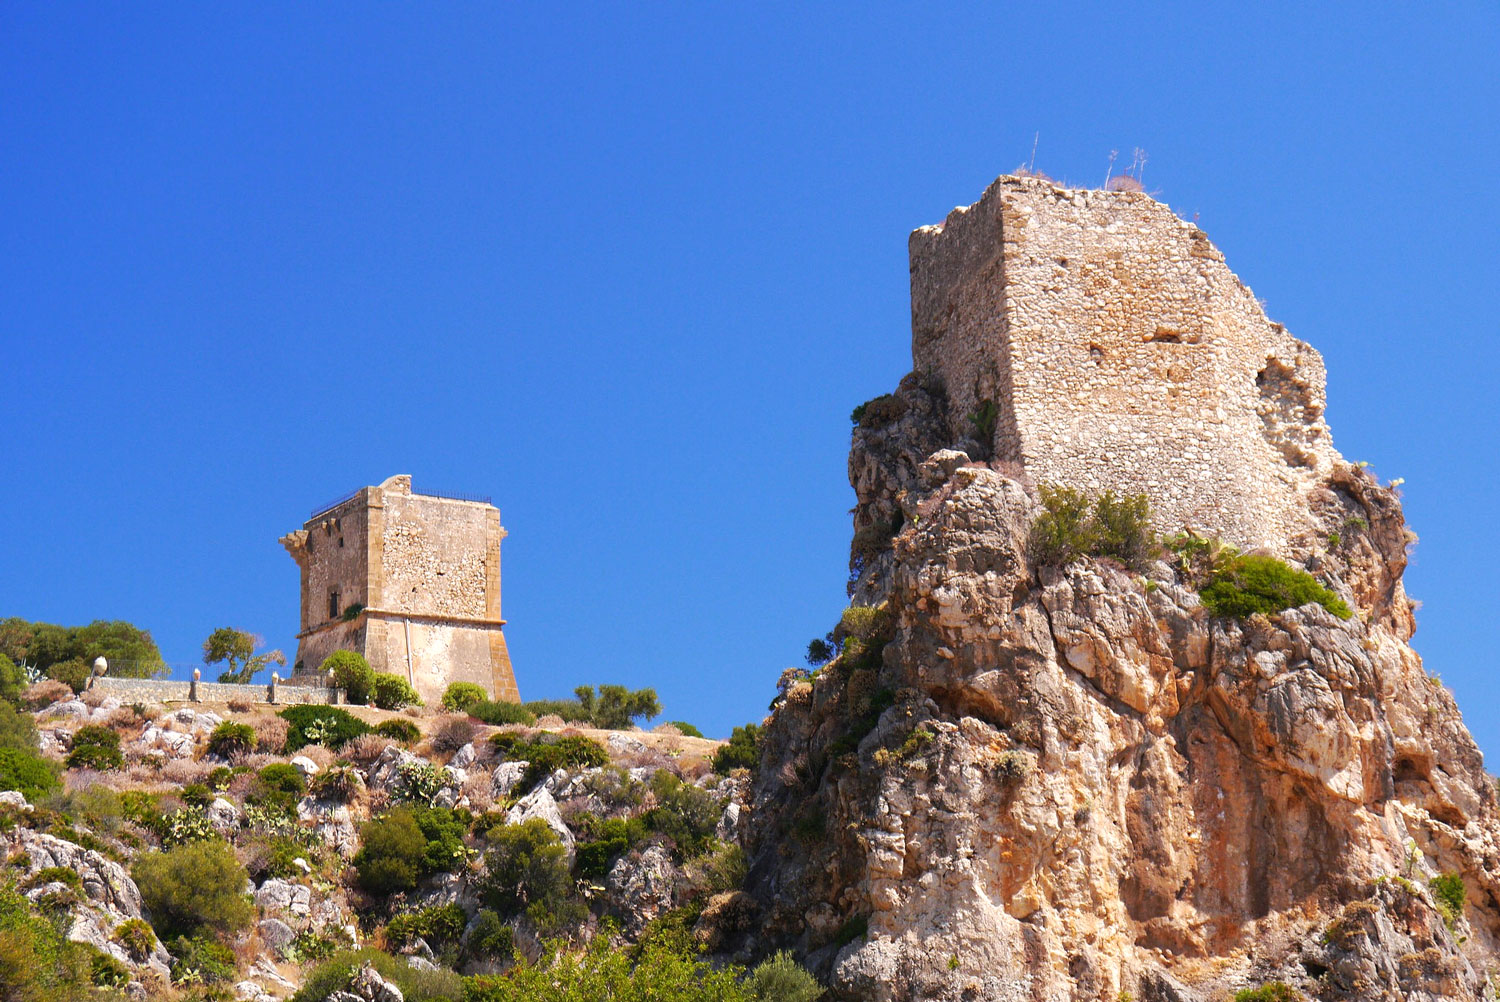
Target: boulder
[(641, 886), (539, 804)]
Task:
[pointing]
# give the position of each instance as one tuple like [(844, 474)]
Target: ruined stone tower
[(1120, 352), (409, 580)]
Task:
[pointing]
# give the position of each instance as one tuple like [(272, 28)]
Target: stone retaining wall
[(173, 690)]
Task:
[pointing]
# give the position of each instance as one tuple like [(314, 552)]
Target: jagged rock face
[(1083, 784)]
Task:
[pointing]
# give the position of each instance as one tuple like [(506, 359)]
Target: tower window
[(333, 604)]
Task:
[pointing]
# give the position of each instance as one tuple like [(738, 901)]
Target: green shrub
[(548, 754), (392, 853), (13, 681), (501, 713), (329, 725), (55, 874), (489, 938), (392, 692), (607, 841), (1448, 892), (32, 776), (781, 979), (661, 973), (616, 706), (17, 729), (415, 985), (568, 709), (74, 673), (443, 829), (136, 937), (352, 611), (400, 730), (278, 785), (742, 751), (686, 729), (194, 889), (95, 747), (107, 972), (352, 673), (1249, 583), (722, 868), (528, 872), (1276, 991), (200, 959), (338, 782), (1071, 525), (460, 696), (439, 925), (37, 964), (684, 813), (878, 412), (230, 740)]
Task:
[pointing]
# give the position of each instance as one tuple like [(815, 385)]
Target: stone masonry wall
[(173, 690), (426, 569), (1122, 353)]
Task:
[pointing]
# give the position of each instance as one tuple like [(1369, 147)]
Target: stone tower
[(409, 580), (1118, 351)]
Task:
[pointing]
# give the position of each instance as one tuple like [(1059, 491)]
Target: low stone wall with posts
[(135, 690)]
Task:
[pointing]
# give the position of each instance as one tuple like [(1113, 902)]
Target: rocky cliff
[(1029, 781)]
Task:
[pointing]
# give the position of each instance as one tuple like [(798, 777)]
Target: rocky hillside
[(255, 852), (1038, 777)]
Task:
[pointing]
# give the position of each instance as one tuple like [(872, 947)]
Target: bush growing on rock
[(230, 740), (352, 673), (1071, 525), (683, 813), (1276, 991), (416, 985), (194, 890), (1449, 892), (400, 730), (320, 725), (95, 747), (136, 937), (391, 854), (547, 754), (38, 964), (1250, 583), (392, 692), (779, 978), (33, 777), (202, 960), (278, 785), (528, 872), (661, 973), (742, 751), (460, 697)]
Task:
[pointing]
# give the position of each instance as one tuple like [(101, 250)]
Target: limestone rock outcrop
[(1059, 783)]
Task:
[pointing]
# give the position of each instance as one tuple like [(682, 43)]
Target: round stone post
[(100, 667), (193, 686), (271, 694)]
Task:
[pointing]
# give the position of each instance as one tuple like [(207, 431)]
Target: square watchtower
[(409, 580)]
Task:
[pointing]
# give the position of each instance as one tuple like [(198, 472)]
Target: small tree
[(462, 696), (528, 871), (236, 649), (352, 673), (616, 706), (193, 889), (391, 854), (391, 692)]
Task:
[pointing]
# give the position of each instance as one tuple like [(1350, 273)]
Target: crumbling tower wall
[(409, 580), (1121, 353)]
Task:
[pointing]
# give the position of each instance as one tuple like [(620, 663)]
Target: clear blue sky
[(629, 272)]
